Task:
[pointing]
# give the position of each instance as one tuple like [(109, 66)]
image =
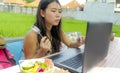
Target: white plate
[(31, 62)]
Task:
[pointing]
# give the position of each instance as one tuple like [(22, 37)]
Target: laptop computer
[(95, 49)]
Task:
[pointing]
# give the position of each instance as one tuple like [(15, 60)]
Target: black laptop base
[(70, 59)]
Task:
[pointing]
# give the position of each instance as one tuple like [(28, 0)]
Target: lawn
[(17, 25)]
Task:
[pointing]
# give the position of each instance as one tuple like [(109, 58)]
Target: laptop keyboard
[(73, 62), (56, 57)]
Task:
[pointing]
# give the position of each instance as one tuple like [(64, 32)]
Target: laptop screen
[(97, 43)]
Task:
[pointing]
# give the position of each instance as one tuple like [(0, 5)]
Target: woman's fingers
[(43, 39), (81, 40), (45, 43)]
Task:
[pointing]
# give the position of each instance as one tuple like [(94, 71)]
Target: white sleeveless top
[(63, 47)]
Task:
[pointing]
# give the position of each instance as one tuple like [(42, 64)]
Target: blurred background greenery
[(17, 25)]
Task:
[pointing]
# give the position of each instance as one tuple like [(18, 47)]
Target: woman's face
[(52, 14)]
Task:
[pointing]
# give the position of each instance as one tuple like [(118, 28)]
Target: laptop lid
[(96, 44), (96, 48)]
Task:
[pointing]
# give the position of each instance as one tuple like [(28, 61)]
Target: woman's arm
[(31, 44)]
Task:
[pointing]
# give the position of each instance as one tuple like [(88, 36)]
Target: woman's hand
[(81, 40), (45, 44)]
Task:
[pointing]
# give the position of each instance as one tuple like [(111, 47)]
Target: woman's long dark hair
[(55, 31)]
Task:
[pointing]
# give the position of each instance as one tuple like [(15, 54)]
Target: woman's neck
[(49, 27), (48, 31)]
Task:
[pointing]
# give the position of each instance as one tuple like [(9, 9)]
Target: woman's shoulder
[(31, 32), (31, 35)]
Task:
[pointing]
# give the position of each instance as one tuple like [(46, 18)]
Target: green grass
[(116, 29), (17, 25), (72, 25)]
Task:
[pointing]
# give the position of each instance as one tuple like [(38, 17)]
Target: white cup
[(74, 35)]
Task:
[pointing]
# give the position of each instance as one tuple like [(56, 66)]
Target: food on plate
[(37, 66), (28, 66)]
